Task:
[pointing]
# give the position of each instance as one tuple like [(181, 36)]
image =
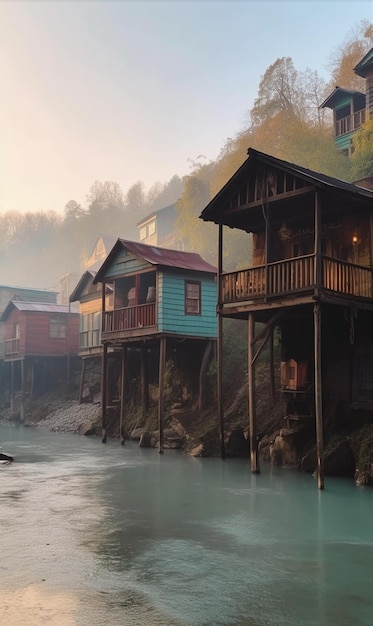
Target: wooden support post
[(272, 365), (318, 396), (251, 384), (162, 367), (220, 345), (82, 377), (12, 386), (122, 393), (103, 391), (202, 375), (144, 382), (23, 383)]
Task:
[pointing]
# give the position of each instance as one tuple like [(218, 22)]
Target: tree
[(73, 211), (362, 156), (347, 56)]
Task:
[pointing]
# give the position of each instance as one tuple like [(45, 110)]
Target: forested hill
[(36, 249)]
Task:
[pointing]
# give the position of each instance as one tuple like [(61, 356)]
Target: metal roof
[(40, 307), (365, 66), (161, 257), (331, 101), (218, 204)]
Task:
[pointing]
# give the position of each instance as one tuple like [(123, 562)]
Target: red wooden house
[(40, 340)]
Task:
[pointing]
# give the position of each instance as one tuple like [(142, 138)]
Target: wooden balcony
[(129, 318), (293, 276), (349, 123)]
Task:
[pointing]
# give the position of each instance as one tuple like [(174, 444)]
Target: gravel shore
[(70, 417)]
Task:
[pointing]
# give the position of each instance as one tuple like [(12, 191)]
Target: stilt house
[(40, 341), (164, 301), (311, 277)]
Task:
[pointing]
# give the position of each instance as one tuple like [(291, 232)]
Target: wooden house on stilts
[(311, 277), (163, 301)]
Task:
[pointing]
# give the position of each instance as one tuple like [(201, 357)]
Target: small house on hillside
[(313, 258), (159, 229), (164, 302), (40, 341), (351, 108)]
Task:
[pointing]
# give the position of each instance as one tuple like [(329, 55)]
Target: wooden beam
[(162, 367), (251, 384), (202, 375), (104, 391), (318, 396), (272, 365), (82, 378), (283, 196), (23, 383), (220, 347), (122, 393), (144, 381)]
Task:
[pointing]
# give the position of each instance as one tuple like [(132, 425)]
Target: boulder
[(284, 451), (237, 445)]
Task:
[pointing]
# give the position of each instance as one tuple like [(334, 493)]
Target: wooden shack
[(40, 341), (164, 301), (311, 277)]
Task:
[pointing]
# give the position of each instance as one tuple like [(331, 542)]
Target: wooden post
[(122, 393), (272, 365), (12, 385), (318, 396), (251, 384), (202, 375), (162, 366), (144, 381), (220, 345), (103, 391), (23, 382), (82, 377), (318, 260)]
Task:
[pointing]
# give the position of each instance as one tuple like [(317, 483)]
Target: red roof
[(162, 257)]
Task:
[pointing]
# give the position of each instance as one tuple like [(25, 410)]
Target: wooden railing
[(11, 346), (296, 275), (349, 123), (129, 318)]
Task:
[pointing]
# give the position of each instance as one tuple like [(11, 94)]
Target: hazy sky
[(134, 90)]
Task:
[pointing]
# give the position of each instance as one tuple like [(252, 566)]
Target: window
[(192, 298), (143, 232), (57, 327), (151, 228)]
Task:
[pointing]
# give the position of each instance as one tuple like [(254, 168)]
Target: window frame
[(188, 298)]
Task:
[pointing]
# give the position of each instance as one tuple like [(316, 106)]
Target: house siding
[(171, 305), (125, 263)]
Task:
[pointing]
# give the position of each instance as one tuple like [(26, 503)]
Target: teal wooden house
[(351, 108), (164, 302)]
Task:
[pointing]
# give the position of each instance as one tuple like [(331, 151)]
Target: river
[(95, 534)]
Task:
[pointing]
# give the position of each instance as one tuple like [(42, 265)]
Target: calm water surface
[(94, 534)]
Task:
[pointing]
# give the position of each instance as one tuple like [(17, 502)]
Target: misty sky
[(130, 91)]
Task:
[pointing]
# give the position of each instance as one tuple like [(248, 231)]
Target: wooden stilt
[(144, 382), (32, 380), (162, 366), (318, 397), (122, 394), (82, 379), (202, 375), (272, 365), (12, 386), (251, 384), (103, 391), (23, 382), (219, 346)]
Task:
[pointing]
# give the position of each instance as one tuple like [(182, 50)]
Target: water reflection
[(98, 534)]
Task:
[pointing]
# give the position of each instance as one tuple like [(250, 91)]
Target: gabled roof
[(87, 277), (365, 66), (332, 101), (160, 257), (157, 212), (218, 204), (40, 307)]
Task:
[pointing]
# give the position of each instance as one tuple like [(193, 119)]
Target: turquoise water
[(103, 534)]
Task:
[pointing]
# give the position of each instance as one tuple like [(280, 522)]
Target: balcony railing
[(349, 123), (129, 318), (296, 276)]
